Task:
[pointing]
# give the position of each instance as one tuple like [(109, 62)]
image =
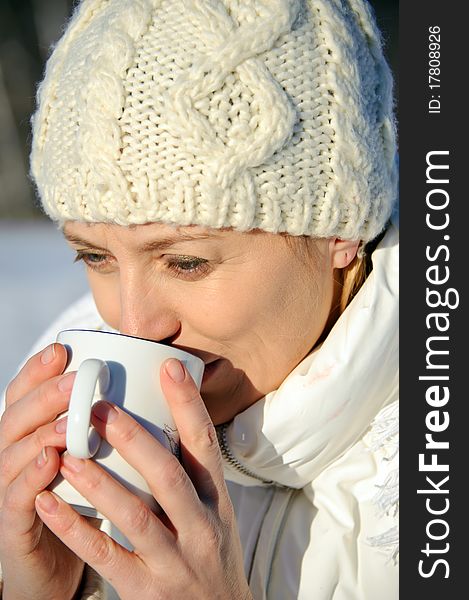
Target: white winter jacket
[(312, 467)]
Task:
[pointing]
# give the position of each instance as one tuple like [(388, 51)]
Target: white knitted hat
[(269, 114)]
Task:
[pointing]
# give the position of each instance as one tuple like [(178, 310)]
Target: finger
[(42, 366), (164, 474), (131, 515), (112, 561), (15, 458), (199, 444), (39, 406), (19, 523)]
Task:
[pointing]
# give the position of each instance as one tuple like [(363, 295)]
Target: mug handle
[(81, 442)]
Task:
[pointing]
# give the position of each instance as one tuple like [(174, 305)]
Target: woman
[(226, 171)]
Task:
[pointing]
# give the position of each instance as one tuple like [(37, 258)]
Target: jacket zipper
[(229, 457)]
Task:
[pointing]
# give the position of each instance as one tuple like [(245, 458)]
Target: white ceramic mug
[(124, 370)]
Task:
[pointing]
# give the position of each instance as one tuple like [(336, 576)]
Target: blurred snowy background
[(37, 276), (38, 279)]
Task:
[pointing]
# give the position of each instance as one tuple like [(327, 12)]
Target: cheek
[(223, 313), (288, 305)]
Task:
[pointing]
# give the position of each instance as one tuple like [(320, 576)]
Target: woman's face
[(245, 303)]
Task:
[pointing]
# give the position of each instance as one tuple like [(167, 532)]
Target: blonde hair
[(353, 277)]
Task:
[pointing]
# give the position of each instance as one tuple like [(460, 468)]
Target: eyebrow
[(157, 245)]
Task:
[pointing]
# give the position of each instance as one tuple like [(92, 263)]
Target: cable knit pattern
[(269, 114)]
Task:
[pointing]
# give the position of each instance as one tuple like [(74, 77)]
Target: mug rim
[(133, 337)]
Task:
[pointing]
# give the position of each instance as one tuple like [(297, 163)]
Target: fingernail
[(47, 502), (42, 458), (73, 464), (48, 355), (105, 412), (66, 383), (61, 426), (175, 370)]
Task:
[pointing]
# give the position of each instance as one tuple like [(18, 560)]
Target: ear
[(342, 252)]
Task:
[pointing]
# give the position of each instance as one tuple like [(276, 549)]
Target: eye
[(188, 267), (93, 260)]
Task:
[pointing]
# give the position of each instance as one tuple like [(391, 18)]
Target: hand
[(35, 563), (191, 551)]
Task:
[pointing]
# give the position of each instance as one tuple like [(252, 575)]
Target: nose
[(147, 312)]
